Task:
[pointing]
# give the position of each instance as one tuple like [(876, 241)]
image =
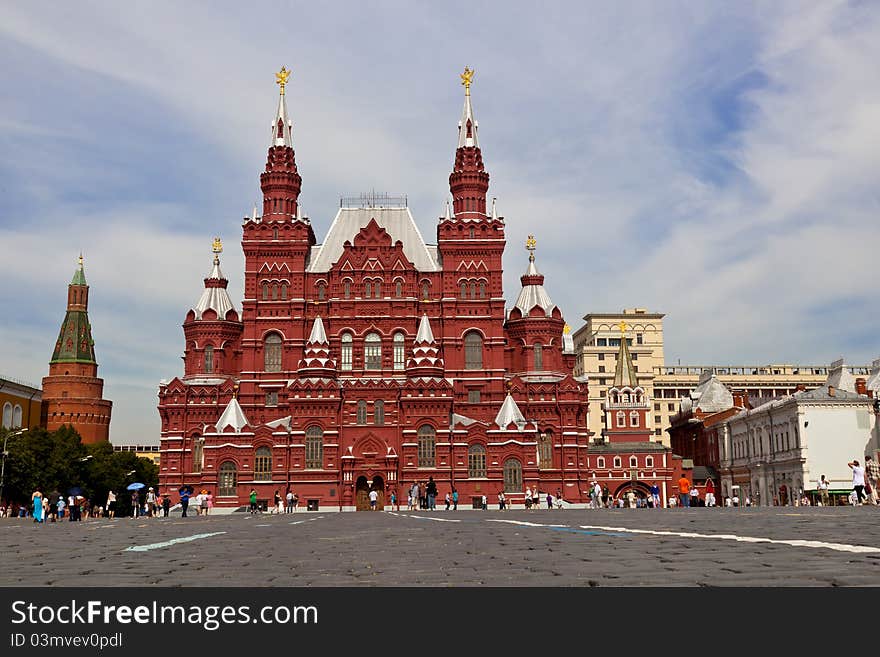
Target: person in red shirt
[(710, 493), (684, 489)]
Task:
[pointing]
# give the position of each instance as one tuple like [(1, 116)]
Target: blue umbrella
[(135, 486), (75, 491)]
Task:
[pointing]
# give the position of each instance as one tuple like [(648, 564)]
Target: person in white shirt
[(528, 497), (822, 487), (858, 480), (374, 498)]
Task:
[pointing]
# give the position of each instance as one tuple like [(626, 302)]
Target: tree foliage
[(56, 462)]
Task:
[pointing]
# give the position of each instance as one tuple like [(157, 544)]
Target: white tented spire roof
[(318, 336), (467, 135), (425, 333), (215, 297), (284, 136), (233, 417), (533, 293), (509, 413)]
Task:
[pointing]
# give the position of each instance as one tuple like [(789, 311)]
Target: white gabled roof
[(509, 413), (397, 222), (318, 335), (233, 417)]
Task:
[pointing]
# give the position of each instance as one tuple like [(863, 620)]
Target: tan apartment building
[(597, 343)]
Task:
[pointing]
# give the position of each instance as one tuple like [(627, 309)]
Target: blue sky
[(718, 162)]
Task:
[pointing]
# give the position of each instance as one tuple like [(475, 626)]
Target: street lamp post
[(5, 453)]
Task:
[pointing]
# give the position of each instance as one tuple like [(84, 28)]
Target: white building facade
[(773, 453)]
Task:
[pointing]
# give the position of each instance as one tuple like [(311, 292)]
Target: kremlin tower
[(72, 391)]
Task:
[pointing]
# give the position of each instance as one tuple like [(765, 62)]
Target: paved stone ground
[(575, 547)]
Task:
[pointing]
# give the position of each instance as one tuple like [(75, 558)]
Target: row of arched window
[(635, 397), (11, 416), (633, 419), (473, 352), (274, 290), (617, 462), (473, 289)]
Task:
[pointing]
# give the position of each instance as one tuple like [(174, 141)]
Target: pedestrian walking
[(151, 503), (166, 505), (60, 506), (184, 500), (872, 479), (536, 497), (528, 498), (203, 503), (289, 498), (413, 496), (111, 504), (448, 500), (501, 501), (395, 506), (277, 507), (655, 495), (549, 501), (695, 496), (374, 499), (684, 489), (37, 499), (858, 482), (454, 499), (252, 499), (135, 505), (483, 504), (822, 486), (710, 492), (431, 491)]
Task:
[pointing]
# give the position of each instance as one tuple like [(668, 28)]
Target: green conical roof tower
[(75, 344), (625, 372)]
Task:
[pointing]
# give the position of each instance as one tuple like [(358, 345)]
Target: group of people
[(280, 504), (423, 495)]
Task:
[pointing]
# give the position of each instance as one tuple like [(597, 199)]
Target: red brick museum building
[(373, 359)]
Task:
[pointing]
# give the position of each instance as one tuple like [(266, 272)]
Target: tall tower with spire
[(627, 404), (72, 393)]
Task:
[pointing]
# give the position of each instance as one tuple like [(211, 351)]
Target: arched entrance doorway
[(641, 490), (362, 492)]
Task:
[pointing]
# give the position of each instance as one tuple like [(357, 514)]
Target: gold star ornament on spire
[(466, 79), (217, 247), (281, 78)]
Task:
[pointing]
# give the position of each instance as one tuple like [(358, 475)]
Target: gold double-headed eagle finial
[(217, 246), (566, 329), (466, 79), (531, 243), (281, 78), (622, 326)]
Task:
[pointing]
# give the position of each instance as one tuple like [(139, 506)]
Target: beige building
[(141, 451), (597, 342)]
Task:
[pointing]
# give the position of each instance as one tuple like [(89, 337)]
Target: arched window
[(399, 351), (263, 464), (362, 412), (274, 233), (476, 461), (373, 352), (198, 453), (621, 419), (265, 291), (321, 290), (209, 359), (473, 289), (512, 476), (600, 462), (284, 291), (274, 291), (473, 351), (314, 447), (377, 289), (482, 289), (227, 480), (471, 233), (464, 289), (427, 445), (617, 462), (634, 419), (345, 361), (7, 415), (425, 288), (539, 357), (398, 289), (545, 450), (272, 352), (346, 289), (649, 461), (379, 413), (368, 290)]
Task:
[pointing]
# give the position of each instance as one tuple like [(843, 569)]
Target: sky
[(718, 162)]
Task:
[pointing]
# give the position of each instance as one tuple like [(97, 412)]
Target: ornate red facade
[(374, 359)]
